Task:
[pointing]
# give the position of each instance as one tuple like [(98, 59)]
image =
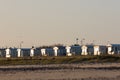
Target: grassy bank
[(60, 60)]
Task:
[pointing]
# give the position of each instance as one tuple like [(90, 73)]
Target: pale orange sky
[(47, 22)]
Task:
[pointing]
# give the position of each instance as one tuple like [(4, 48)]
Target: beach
[(86, 71)]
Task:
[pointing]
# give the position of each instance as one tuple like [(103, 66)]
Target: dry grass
[(59, 60)]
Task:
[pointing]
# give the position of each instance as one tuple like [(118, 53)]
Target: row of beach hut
[(110, 49)]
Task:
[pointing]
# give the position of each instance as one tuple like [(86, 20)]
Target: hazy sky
[(46, 22)]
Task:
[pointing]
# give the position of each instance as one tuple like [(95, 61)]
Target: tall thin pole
[(77, 40), (21, 44), (82, 41)]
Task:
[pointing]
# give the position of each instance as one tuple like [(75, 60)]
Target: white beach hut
[(8, 53), (109, 49), (18, 52), (32, 52), (96, 50), (43, 52), (55, 51), (68, 51), (84, 50)]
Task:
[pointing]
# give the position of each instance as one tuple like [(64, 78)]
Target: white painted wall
[(8, 53), (19, 52), (68, 51), (96, 50), (32, 52), (43, 52), (55, 51), (110, 50), (84, 50)]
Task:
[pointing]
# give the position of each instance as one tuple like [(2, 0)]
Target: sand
[(84, 72)]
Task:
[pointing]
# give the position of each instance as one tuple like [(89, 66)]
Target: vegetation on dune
[(59, 60)]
